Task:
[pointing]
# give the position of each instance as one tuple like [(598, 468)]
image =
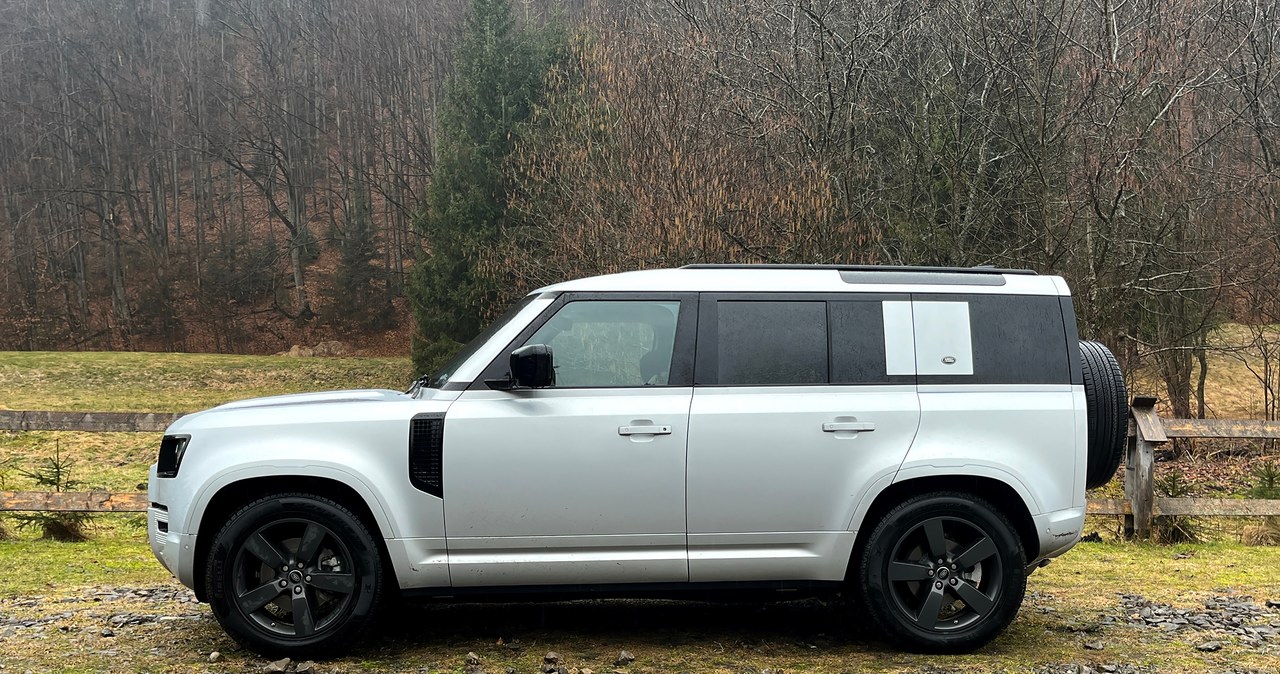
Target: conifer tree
[(501, 68)]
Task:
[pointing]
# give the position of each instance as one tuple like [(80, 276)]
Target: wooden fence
[(1140, 506)]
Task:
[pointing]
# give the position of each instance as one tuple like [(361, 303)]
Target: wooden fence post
[(1139, 471)]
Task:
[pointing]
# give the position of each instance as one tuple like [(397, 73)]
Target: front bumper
[(173, 549)]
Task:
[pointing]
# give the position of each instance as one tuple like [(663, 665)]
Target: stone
[(473, 659), (551, 658), (1210, 646), (305, 667), (1094, 645), (624, 658), (1273, 603), (107, 632), (331, 348), (215, 656), (281, 665), (585, 670)]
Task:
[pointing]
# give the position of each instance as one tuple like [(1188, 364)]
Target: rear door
[(795, 416)]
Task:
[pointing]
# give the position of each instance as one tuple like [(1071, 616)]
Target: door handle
[(855, 426), (644, 430)]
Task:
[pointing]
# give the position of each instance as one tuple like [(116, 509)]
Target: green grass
[(117, 554), (177, 382), (147, 382)]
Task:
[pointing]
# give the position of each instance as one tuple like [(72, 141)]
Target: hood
[(354, 395)]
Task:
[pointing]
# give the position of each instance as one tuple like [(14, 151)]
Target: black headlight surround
[(172, 447)]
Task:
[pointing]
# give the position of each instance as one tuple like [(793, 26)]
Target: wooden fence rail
[(1140, 506)]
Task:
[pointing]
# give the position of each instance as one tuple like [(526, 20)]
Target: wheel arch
[(233, 495), (1000, 494)]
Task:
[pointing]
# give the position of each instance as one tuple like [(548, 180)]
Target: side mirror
[(531, 366)]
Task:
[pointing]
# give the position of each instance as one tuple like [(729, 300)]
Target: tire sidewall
[(876, 592), (345, 525)]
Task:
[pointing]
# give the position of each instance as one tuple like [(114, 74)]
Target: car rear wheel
[(943, 573), (294, 574)]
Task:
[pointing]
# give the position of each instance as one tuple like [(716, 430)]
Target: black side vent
[(426, 453)]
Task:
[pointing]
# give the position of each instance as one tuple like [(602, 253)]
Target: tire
[(328, 596), (958, 605), (1107, 407)]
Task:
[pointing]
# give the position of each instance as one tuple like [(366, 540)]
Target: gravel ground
[(164, 629)]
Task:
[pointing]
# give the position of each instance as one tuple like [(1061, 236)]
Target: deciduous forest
[(239, 175)]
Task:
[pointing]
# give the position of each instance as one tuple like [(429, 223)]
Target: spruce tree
[(500, 75)]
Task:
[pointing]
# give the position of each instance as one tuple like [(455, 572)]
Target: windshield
[(442, 376)]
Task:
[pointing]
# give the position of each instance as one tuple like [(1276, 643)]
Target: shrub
[(54, 473)]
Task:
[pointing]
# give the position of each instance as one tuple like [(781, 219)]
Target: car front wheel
[(294, 574), (943, 573)]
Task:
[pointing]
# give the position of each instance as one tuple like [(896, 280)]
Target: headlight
[(172, 447)]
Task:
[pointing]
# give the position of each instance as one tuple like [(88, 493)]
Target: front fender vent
[(426, 453)]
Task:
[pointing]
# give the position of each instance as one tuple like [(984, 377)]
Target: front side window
[(599, 343)]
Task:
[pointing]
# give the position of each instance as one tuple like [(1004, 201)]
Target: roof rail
[(868, 267)]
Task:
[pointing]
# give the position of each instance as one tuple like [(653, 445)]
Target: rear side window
[(1018, 339), (771, 343)]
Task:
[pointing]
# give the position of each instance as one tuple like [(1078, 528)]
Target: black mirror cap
[(531, 366)]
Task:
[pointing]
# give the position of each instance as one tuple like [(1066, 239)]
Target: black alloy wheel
[(943, 572), (293, 574)]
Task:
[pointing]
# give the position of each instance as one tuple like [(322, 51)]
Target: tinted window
[(1018, 339), (762, 343), (611, 343), (857, 343)]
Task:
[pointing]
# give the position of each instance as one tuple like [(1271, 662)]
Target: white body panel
[(760, 463), (744, 485), (541, 487)]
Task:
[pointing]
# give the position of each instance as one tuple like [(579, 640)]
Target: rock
[(107, 632), (551, 658), (624, 658), (278, 666), (331, 348), (1273, 603), (586, 671), (473, 659), (1210, 646), (215, 656), (1094, 645), (305, 667)]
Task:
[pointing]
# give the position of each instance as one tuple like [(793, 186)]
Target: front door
[(582, 482)]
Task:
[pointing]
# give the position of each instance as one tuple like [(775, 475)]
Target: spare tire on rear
[(1107, 404)]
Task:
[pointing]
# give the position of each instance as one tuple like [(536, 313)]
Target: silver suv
[(919, 439)]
